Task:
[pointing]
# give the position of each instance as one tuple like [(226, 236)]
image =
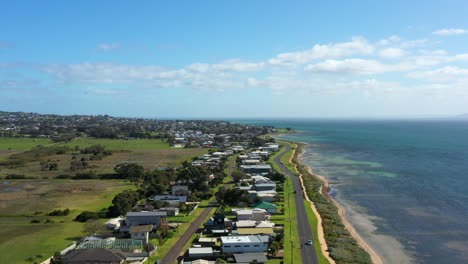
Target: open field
[(16, 144), (119, 144), (148, 158), (25, 197), (21, 199)]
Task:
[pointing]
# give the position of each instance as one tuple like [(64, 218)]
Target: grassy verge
[(292, 244)]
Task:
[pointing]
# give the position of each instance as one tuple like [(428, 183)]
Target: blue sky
[(231, 59)]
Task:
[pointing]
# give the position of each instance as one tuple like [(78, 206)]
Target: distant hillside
[(463, 116)]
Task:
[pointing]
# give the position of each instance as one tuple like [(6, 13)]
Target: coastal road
[(176, 250), (309, 256)]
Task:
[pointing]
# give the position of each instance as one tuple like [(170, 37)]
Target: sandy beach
[(376, 259)]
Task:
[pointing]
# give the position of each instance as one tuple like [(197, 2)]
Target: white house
[(200, 252), (256, 214), (241, 244)]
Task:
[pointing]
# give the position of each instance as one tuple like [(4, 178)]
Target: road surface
[(309, 256)]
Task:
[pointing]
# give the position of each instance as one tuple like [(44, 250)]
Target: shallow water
[(404, 184)]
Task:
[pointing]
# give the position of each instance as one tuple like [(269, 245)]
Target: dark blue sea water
[(408, 178)]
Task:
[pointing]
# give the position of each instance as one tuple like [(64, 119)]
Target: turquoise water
[(410, 178)]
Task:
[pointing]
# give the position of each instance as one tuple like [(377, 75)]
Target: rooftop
[(140, 229), (146, 214)]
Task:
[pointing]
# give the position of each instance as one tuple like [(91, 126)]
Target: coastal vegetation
[(343, 248)]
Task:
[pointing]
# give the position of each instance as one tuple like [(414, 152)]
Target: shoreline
[(375, 257)]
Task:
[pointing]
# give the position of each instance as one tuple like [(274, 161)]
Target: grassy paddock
[(148, 158), (117, 144), (21, 199), (19, 144)]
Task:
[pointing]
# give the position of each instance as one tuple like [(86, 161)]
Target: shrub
[(85, 216)]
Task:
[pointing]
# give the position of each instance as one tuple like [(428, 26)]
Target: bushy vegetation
[(86, 215), (59, 212), (123, 202), (342, 246)]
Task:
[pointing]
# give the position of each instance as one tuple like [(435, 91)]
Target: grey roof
[(250, 257), (146, 214), (93, 255), (182, 199), (259, 166)]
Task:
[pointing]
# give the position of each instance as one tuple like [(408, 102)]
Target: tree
[(93, 227), (238, 175), (234, 196), (131, 171), (85, 216), (123, 202), (274, 248)]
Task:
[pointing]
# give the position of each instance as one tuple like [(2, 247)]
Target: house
[(173, 200), (265, 186), (251, 161), (94, 255), (114, 223), (207, 241), (180, 190), (255, 231), (253, 224), (247, 258), (141, 232), (199, 261), (268, 196), (240, 244), (200, 252), (145, 218), (251, 214), (271, 208), (171, 211), (261, 168)]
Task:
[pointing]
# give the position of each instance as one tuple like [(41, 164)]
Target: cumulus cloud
[(447, 73), (348, 66), (358, 46), (391, 53), (109, 46), (450, 31)]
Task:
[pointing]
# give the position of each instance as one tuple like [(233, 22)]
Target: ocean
[(403, 183)]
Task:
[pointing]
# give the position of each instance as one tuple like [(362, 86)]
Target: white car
[(309, 242)]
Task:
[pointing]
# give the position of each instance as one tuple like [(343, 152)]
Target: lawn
[(24, 242)]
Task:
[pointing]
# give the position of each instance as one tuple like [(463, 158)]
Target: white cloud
[(108, 46), (450, 31), (348, 66), (447, 73), (391, 53), (358, 46)]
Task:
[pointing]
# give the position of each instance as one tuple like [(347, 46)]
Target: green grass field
[(18, 144), (21, 240), (120, 144)]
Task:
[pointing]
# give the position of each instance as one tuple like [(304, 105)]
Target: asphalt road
[(309, 256)]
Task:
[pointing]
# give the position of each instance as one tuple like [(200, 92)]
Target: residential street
[(309, 256), (175, 251)]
